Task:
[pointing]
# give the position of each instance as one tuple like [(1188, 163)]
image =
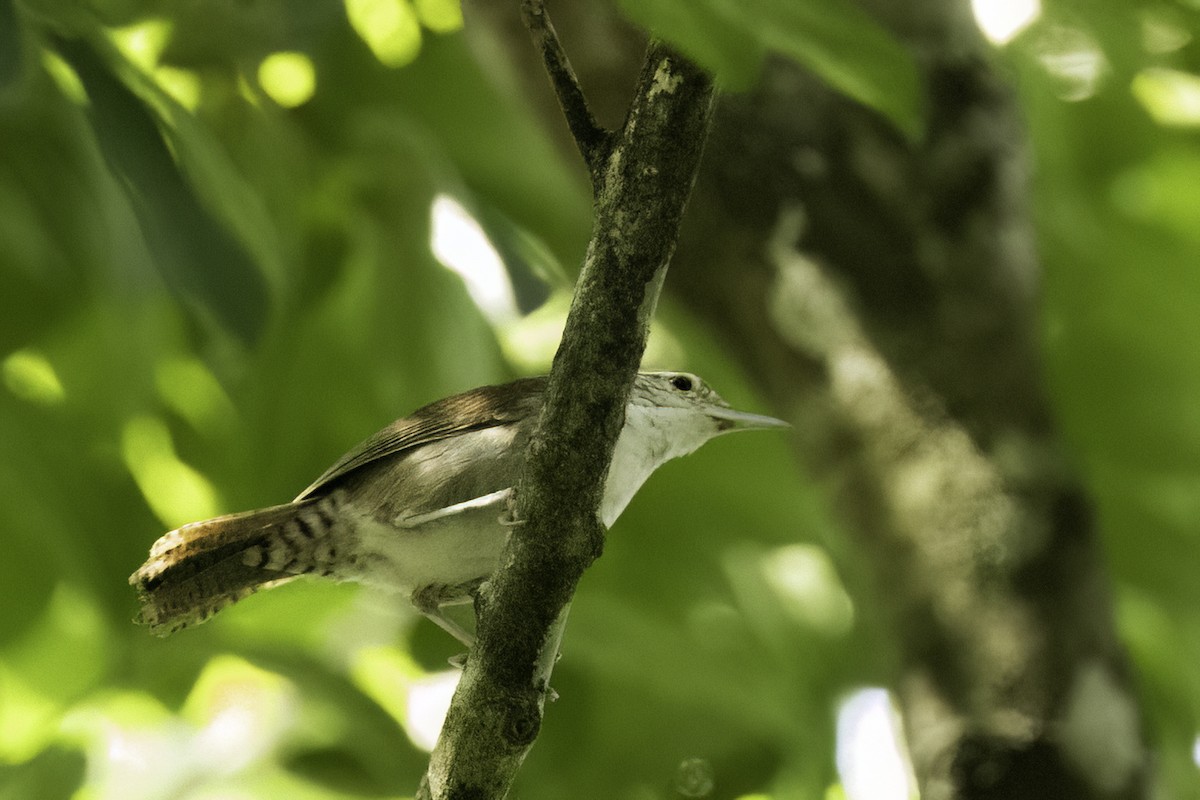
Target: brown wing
[(481, 408)]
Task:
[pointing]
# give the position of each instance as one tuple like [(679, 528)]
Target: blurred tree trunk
[(883, 293)]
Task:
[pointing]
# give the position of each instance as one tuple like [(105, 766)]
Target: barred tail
[(196, 570)]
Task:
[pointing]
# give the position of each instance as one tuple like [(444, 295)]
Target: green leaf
[(706, 32), (201, 259), (833, 38)]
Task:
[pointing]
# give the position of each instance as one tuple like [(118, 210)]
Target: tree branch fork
[(641, 178)]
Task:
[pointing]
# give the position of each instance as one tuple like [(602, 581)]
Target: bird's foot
[(509, 520)]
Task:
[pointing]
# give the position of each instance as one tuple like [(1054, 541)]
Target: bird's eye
[(682, 382)]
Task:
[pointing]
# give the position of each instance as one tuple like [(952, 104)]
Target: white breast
[(642, 447)]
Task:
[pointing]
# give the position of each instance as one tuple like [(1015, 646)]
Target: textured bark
[(884, 295), (642, 175)]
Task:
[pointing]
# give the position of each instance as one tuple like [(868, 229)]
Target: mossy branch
[(641, 177)]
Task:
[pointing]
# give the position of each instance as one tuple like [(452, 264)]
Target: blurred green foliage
[(834, 38), (216, 274), (1122, 319)]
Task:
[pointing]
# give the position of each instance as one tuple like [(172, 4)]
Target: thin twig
[(591, 139)]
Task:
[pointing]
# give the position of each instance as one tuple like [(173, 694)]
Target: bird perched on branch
[(417, 508)]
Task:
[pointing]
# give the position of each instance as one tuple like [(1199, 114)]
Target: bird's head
[(687, 411)]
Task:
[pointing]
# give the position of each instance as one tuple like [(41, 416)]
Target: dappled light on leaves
[(788, 590), (1162, 32), (389, 27), (384, 674), (182, 85), (174, 491), (36, 684), (416, 699), (233, 721), (144, 42), (871, 758), (27, 718), (65, 76), (529, 342), (288, 78), (30, 376), (190, 389), (1002, 20), (1172, 97), (133, 746), (694, 777), (143, 45), (807, 587), (428, 702), (1164, 192), (241, 711), (440, 16), (1073, 59), (460, 244)]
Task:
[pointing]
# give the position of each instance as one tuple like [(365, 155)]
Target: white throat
[(651, 437)]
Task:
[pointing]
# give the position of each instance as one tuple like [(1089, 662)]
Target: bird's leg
[(509, 518), (454, 629), (429, 601)]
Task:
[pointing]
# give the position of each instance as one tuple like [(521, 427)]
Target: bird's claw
[(509, 521)]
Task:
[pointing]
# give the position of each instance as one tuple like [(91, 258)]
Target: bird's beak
[(729, 419)]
